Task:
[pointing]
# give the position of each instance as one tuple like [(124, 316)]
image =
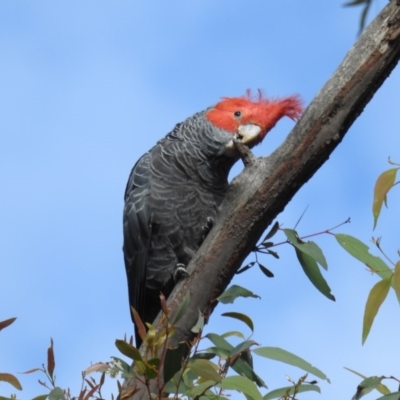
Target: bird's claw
[(206, 228), (180, 272)]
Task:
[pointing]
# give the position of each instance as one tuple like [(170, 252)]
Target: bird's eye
[(237, 114)]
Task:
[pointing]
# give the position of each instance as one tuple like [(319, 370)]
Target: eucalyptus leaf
[(278, 354)]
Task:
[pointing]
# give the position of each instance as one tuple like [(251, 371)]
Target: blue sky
[(87, 87)]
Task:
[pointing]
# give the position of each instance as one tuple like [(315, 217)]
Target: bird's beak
[(248, 134)]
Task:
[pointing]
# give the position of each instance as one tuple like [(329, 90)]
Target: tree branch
[(266, 185)]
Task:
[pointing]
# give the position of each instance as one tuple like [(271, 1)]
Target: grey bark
[(266, 185)]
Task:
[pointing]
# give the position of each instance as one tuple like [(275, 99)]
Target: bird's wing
[(137, 233)]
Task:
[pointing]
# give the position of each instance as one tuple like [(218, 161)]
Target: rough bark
[(266, 185)]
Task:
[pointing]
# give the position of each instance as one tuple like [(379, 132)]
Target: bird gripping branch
[(175, 189)]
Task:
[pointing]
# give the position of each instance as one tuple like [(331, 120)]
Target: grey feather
[(171, 192)]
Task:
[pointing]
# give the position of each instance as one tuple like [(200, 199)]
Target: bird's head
[(250, 119)]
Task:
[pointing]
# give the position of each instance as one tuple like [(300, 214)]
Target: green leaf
[(273, 253), (152, 367), (224, 350), (355, 3), (396, 280), (233, 333), (6, 322), (128, 350), (272, 232), (200, 389), (278, 393), (364, 15), (241, 384), (247, 357), (366, 386), (182, 309), (57, 394), (311, 269), (233, 292), (211, 396), (219, 351), (171, 387), (266, 271), (180, 383), (219, 341), (265, 245), (245, 268), (205, 369), (243, 368), (126, 370), (278, 354), (207, 354), (376, 297), (309, 248), (199, 324), (364, 12), (359, 250), (381, 387), (383, 184), (41, 397), (242, 347), (11, 379), (391, 396), (241, 317)]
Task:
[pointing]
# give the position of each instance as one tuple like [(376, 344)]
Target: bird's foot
[(245, 153), (206, 228), (180, 272)]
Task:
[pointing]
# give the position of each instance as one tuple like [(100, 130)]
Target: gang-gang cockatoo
[(175, 189)]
